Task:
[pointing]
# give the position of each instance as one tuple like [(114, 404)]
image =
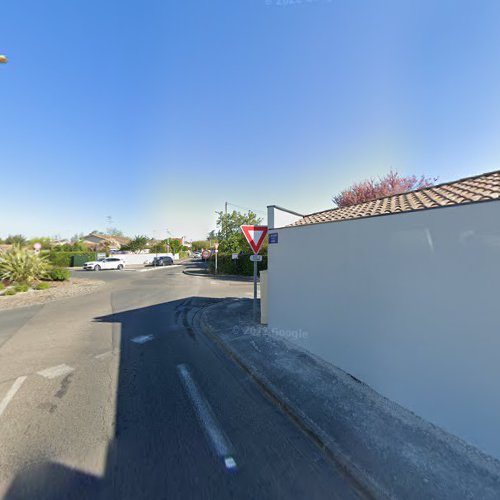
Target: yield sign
[(255, 236)]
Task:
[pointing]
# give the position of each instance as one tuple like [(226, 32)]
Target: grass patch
[(58, 274), (10, 291), (42, 286), (22, 287)]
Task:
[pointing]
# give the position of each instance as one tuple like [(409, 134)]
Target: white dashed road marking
[(104, 355), (56, 371), (142, 339), (207, 418), (12, 392)]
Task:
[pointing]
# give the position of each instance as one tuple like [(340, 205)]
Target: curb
[(147, 269), (364, 484), (228, 277)]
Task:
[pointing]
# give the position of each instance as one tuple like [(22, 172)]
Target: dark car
[(163, 261)]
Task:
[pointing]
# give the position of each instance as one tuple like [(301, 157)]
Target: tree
[(201, 244), (176, 246), (45, 241), (229, 235), (15, 239), (76, 237), (388, 185), (159, 247), (114, 231), (138, 244), (212, 235)]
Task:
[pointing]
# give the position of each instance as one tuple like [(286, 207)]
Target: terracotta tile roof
[(123, 240), (110, 239), (483, 187)]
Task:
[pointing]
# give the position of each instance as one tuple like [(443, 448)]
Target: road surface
[(115, 395)]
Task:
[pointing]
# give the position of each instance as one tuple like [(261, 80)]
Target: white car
[(107, 263)]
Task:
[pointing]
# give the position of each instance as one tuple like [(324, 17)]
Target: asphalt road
[(115, 395)]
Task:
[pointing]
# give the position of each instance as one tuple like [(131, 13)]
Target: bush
[(22, 287), (243, 266), (2, 286), (42, 286), (183, 254), (22, 265), (67, 259), (10, 291), (58, 274)]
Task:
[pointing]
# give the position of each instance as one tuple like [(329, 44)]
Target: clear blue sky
[(157, 112)]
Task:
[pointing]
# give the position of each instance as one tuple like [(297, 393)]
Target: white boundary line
[(11, 393), (56, 371), (207, 418), (142, 339)]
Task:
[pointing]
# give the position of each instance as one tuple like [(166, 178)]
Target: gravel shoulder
[(61, 290)]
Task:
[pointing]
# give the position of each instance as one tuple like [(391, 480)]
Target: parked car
[(163, 261), (197, 254), (107, 263)]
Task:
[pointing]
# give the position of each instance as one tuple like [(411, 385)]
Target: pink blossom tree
[(371, 189)]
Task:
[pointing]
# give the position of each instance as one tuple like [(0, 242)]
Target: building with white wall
[(404, 296)]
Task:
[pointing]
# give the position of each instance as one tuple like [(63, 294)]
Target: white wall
[(133, 259), (280, 217), (408, 303)]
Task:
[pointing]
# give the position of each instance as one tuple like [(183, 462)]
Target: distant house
[(99, 241), (61, 242)]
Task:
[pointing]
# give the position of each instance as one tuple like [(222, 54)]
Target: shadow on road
[(143, 460)]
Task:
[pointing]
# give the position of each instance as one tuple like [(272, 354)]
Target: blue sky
[(157, 112)]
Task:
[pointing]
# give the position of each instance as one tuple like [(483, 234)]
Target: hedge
[(183, 255), (242, 266), (70, 259)]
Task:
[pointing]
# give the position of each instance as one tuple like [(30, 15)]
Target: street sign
[(216, 245), (255, 236), (273, 238), (205, 254), (234, 256), (37, 247)]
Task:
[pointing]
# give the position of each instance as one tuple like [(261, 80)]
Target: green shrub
[(70, 259), (21, 287), (22, 265), (242, 266), (10, 291), (183, 255), (42, 286), (2, 286), (59, 274)]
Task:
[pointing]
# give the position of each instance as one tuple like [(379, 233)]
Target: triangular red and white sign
[(255, 236)]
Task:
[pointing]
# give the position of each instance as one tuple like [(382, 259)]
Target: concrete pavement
[(116, 395), (389, 450)]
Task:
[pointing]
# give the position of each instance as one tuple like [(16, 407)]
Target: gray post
[(255, 290), (216, 262)]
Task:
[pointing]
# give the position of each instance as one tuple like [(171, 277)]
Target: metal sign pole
[(216, 262), (255, 236), (255, 290)]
